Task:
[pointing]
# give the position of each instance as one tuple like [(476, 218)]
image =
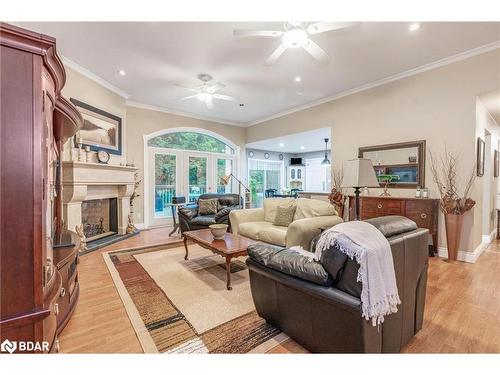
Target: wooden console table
[(422, 211)]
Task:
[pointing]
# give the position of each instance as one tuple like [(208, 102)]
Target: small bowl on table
[(218, 230)]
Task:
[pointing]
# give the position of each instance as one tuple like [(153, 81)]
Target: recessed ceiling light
[(121, 72), (414, 26), (281, 144), (298, 79), (302, 147), (300, 93)]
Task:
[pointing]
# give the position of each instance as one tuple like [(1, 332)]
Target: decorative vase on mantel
[(453, 223)]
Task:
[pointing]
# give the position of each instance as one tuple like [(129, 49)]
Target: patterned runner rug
[(178, 306)]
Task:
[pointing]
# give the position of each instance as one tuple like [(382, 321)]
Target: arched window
[(191, 141), (184, 162)]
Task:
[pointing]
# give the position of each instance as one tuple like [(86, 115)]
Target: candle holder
[(80, 148), (87, 154)]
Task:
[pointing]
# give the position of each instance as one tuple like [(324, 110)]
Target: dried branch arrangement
[(337, 197), (445, 173)]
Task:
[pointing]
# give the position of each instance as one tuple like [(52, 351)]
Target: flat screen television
[(295, 161)]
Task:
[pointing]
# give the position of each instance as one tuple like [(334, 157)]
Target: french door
[(184, 173)]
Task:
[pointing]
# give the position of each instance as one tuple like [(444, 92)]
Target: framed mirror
[(401, 165)]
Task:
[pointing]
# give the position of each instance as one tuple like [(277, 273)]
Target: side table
[(174, 207)]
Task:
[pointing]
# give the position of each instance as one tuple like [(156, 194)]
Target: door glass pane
[(197, 177), (165, 179), (257, 187), (224, 168)]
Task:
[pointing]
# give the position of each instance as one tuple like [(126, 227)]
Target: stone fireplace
[(97, 196)]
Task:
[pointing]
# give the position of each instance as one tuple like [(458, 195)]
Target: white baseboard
[(489, 238), (465, 256)]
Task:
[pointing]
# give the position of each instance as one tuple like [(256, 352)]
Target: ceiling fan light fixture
[(295, 38), (204, 96)]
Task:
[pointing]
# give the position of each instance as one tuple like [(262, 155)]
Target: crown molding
[(423, 68), (183, 114), (87, 73)]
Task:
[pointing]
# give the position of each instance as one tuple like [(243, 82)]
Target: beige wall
[(438, 105), (88, 91), (144, 121)]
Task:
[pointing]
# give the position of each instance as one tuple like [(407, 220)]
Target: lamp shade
[(225, 179), (359, 173)]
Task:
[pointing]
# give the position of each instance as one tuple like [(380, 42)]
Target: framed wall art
[(480, 157), (101, 130), (496, 164)]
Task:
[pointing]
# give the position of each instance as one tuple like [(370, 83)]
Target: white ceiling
[(310, 141), (492, 103), (156, 55)]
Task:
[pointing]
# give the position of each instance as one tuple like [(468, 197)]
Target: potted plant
[(337, 196), (454, 204)]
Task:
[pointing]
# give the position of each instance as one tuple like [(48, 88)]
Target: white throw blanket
[(365, 243)]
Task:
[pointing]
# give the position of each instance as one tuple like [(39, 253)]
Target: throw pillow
[(207, 206), (284, 215)]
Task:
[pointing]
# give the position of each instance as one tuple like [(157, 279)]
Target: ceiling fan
[(295, 35), (207, 92)]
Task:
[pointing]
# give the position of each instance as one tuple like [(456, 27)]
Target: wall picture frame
[(496, 164), (100, 130), (480, 157)]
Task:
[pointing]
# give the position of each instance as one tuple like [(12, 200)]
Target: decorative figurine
[(83, 239), (137, 181)]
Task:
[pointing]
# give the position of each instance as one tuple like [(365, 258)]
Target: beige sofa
[(311, 215)]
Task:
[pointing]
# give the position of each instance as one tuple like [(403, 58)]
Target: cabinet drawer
[(420, 213), (381, 207)]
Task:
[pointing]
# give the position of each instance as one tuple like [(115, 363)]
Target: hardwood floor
[(100, 323), (462, 311)]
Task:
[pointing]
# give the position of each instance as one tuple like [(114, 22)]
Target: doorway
[(186, 164)]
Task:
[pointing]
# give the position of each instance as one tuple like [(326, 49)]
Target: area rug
[(179, 306)]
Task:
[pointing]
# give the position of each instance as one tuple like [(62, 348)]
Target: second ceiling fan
[(296, 35), (206, 92)]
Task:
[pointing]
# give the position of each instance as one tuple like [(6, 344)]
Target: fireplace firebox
[(99, 218)]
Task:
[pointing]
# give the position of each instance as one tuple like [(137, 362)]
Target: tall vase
[(453, 225)]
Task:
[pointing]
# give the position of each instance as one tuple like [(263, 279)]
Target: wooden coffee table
[(231, 246)]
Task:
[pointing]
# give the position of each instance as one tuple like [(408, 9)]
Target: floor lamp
[(359, 173), (225, 181)]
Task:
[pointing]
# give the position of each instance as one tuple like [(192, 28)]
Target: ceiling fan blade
[(250, 33), (186, 87), (276, 54), (322, 27), (214, 88), (315, 51), (209, 102), (190, 97), (224, 97)]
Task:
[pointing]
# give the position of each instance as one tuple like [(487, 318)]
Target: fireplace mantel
[(87, 181)]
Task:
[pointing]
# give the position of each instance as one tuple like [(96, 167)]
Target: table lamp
[(359, 173)]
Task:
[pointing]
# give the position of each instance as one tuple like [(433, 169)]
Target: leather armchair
[(322, 310), (190, 220)]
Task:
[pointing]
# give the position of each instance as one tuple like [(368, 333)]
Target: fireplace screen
[(99, 218)]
